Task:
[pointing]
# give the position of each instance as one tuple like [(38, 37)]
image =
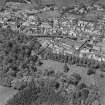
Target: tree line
[(74, 60)]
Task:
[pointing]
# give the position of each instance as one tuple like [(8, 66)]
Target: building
[(45, 28)]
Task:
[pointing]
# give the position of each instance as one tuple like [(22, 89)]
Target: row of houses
[(69, 24)]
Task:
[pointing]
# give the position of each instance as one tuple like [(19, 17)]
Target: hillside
[(58, 3)]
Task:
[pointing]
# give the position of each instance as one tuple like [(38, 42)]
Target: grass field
[(5, 94), (100, 82), (57, 66), (94, 79)]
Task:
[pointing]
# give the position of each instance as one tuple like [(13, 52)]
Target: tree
[(92, 62), (73, 61), (62, 58), (66, 68), (51, 72), (11, 73), (91, 71), (69, 58), (77, 60), (40, 63), (88, 62), (81, 85), (93, 2), (25, 96), (19, 74), (96, 65), (74, 78), (66, 58), (102, 75), (84, 94), (102, 67), (34, 58), (80, 62), (2, 4)]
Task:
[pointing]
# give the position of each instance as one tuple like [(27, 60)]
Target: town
[(81, 36), (51, 55)]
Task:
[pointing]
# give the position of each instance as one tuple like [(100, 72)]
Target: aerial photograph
[(52, 52)]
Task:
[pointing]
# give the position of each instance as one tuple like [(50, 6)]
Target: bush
[(81, 61), (51, 73), (11, 73), (96, 65), (77, 76), (77, 60), (73, 60), (91, 71), (40, 63), (66, 68), (81, 85), (66, 59), (74, 79), (84, 93), (102, 69)]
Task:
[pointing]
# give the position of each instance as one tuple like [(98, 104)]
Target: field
[(6, 93), (101, 86), (49, 64), (94, 79)]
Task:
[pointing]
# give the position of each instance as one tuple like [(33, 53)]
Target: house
[(67, 52), (72, 33), (18, 83), (12, 25), (84, 50), (99, 7), (26, 23), (96, 48), (45, 27)]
